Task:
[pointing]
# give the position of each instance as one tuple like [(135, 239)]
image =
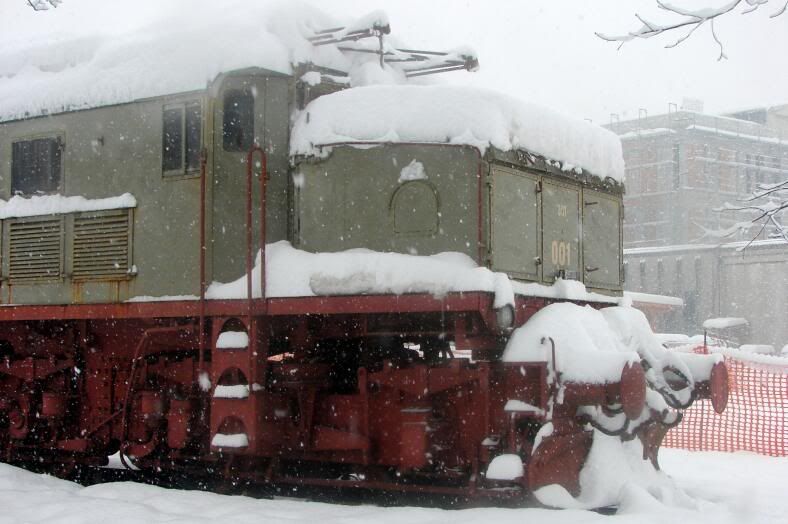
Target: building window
[(181, 138), (238, 122), (36, 166), (642, 274)]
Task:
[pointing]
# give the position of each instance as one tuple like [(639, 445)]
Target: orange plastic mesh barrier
[(756, 418)]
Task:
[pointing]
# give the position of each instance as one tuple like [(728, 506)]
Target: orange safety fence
[(756, 418)]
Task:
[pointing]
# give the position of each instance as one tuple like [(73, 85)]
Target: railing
[(755, 420), (263, 175), (249, 264)]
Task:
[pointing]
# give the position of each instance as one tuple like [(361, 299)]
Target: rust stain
[(76, 292)]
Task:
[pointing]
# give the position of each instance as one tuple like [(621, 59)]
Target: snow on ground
[(456, 115), (720, 488)]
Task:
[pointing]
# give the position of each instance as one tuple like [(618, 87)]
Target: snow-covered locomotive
[(416, 320)]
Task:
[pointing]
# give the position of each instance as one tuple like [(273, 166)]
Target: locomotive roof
[(52, 71), (457, 115)]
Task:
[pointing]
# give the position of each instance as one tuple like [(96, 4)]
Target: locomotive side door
[(514, 223), (601, 240), (560, 231), (248, 110)]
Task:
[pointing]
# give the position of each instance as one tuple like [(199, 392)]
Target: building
[(728, 280), (680, 167), (683, 165)]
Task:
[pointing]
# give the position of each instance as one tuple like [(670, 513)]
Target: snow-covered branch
[(766, 206), (692, 19), (43, 5)]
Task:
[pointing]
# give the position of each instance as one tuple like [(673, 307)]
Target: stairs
[(236, 405)]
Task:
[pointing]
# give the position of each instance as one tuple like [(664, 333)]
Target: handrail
[(263, 176), (201, 354)]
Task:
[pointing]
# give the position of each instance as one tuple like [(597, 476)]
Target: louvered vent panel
[(101, 245), (36, 249)]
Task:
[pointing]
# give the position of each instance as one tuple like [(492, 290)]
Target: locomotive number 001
[(560, 253)]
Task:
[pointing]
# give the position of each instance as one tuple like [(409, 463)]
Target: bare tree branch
[(43, 5), (693, 19), (722, 49), (765, 212), (781, 11)]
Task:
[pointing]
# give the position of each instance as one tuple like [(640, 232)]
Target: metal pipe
[(201, 353), (263, 208), (249, 173), (138, 353)]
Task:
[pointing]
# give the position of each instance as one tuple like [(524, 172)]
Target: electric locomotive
[(281, 278)]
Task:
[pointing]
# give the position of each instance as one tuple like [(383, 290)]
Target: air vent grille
[(36, 249), (101, 245)]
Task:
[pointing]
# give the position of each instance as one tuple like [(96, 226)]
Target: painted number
[(561, 210), (561, 253)]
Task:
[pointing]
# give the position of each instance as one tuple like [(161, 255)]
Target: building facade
[(682, 166), (728, 280)]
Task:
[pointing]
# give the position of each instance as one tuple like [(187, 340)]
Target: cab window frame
[(182, 133), (47, 184), (238, 119)]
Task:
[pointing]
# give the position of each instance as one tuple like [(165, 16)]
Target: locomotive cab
[(513, 213), (248, 107)]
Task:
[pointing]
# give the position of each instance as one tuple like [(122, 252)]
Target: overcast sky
[(541, 50)]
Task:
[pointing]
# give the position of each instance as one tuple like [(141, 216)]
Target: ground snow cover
[(715, 488)]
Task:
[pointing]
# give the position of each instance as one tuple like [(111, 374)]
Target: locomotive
[(380, 249)]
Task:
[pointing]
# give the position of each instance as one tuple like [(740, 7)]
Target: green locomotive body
[(510, 211)]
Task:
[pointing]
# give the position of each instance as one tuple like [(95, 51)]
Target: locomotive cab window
[(238, 120), (37, 166), (181, 138)]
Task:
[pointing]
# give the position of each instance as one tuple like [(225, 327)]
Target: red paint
[(326, 392)]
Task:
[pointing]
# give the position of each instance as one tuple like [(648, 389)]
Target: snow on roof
[(180, 51), (645, 133), (651, 298), (724, 323), (737, 135), (761, 349), (18, 206), (456, 115)]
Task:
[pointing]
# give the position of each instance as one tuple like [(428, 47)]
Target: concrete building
[(728, 280), (682, 165)]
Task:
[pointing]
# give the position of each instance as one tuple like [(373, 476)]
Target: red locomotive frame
[(306, 404)]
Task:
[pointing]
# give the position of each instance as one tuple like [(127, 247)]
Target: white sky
[(540, 50)]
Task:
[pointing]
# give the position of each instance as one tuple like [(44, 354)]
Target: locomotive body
[(119, 217)]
